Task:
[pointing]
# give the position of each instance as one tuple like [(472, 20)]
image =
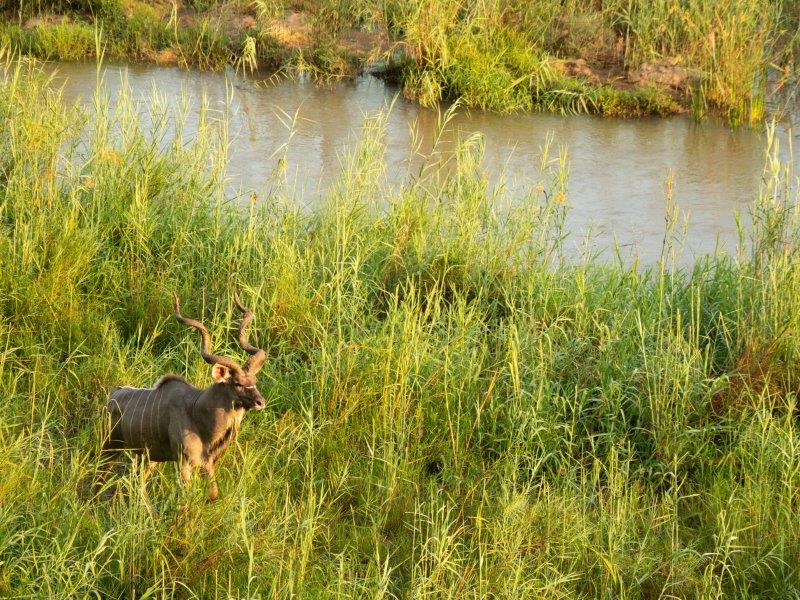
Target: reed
[(457, 408)]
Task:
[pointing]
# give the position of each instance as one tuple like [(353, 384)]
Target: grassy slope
[(454, 413), (500, 56)]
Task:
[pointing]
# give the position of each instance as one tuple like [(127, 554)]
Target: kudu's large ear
[(220, 373)]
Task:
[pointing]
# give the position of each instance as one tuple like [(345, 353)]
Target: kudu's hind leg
[(146, 467), (109, 458), (110, 451)]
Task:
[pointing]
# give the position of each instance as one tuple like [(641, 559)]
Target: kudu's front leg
[(190, 457), (186, 472), (187, 468), (213, 490)]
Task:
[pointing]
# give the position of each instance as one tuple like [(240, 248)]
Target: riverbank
[(608, 58), (455, 410)]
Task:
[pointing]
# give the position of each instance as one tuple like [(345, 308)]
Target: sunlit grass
[(456, 409)]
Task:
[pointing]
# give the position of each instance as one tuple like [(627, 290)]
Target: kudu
[(175, 421)]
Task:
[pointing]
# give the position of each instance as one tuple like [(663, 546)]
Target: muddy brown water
[(618, 169)]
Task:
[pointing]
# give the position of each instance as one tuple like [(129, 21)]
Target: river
[(618, 169)]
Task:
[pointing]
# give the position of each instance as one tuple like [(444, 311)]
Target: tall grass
[(456, 410)]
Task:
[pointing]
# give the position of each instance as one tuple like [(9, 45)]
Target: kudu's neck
[(214, 408)]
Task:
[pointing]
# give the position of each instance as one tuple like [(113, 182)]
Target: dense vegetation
[(456, 410), (611, 57)]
